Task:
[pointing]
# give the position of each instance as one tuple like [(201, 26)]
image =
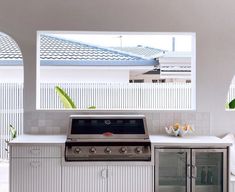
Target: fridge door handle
[(188, 171), (194, 171)]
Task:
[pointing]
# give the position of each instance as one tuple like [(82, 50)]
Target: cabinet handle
[(104, 173), (194, 171), (35, 151), (35, 164)]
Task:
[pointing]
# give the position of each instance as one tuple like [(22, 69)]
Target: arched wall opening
[(11, 91)]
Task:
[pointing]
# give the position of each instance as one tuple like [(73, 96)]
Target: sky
[(164, 42)]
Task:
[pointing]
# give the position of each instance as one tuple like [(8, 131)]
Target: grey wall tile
[(42, 122)]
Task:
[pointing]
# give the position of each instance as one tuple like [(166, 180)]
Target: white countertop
[(39, 139), (188, 141), (156, 140)]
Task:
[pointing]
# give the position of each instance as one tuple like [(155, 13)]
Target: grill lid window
[(105, 126)]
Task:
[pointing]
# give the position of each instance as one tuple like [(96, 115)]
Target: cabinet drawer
[(36, 151)]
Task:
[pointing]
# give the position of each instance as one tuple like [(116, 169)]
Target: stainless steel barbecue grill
[(107, 138)]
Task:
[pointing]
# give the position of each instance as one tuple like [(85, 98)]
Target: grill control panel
[(107, 152)]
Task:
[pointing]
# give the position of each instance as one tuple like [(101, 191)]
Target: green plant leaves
[(92, 107), (13, 132), (232, 104), (226, 105), (65, 98)]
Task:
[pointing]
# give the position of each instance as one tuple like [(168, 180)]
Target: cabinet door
[(35, 175), (209, 170), (172, 170), (136, 178), (78, 178)]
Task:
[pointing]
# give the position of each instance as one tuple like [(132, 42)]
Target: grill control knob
[(107, 150), (123, 150), (77, 150), (138, 150), (92, 150)]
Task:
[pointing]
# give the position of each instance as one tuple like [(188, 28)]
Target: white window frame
[(193, 66)]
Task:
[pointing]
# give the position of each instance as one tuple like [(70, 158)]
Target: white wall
[(212, 20), (67, 75)]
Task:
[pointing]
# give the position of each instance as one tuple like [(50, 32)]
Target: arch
[(11, 90)]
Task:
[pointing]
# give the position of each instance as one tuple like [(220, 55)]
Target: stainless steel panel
[(84, 153)]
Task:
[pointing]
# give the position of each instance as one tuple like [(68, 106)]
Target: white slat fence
[(11, 112), (161, 96)]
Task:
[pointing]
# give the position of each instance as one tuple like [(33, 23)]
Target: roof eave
[(98, 63), (11, 62)]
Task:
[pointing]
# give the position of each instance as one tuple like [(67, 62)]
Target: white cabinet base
[(107, 178), (130, 178), (35, 175), (83, 179)]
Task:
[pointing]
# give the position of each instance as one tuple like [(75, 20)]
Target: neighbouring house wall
[(211, 20), (61, 74), (11, 74)]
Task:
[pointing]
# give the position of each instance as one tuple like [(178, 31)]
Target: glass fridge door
[(172, 170), (209, 170)]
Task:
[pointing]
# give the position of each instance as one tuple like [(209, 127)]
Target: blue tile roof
[(57, 51), (60, 52), (10, 53)]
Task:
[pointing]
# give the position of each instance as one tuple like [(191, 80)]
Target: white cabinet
[(35, 169), (232, 183), (39, 168), (130, 178), (35, 175), (84, 178), (33, 151), (120, 178)]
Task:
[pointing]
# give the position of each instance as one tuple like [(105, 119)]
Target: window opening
[(117, 70)]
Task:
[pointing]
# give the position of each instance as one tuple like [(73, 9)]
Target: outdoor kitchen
[(117, 96)]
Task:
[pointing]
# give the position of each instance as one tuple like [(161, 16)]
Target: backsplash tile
[(56, 122)]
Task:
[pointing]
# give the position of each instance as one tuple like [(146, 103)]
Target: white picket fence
[(160, 96), (11, 112)]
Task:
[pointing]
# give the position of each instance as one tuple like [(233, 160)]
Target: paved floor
[(4, 174)]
